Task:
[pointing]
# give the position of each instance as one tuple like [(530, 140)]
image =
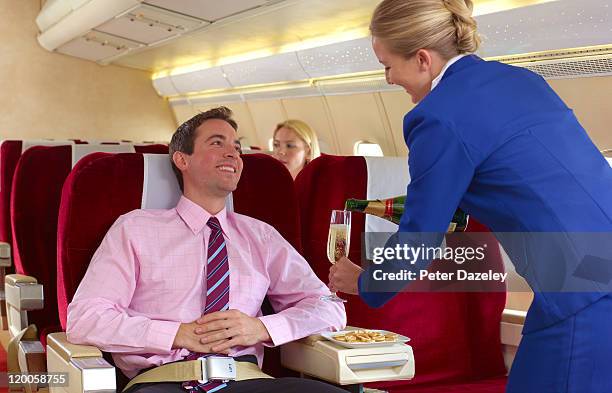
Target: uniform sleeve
[(441, 171), (97, 314), (294, 294)]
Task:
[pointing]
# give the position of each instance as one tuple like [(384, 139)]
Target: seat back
[(455, 336), (10, 151), (103, 187), (35, 200), (153, 148)]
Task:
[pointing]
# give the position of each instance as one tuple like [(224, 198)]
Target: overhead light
[(207, 79), (339, 58), (280, 68)]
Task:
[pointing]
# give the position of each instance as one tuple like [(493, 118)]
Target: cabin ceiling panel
[(209, 79), (97, 46), (283, 67), (341, 58), (149, 25), (164, 87), (210, 10), (549, 26), (266, 30)]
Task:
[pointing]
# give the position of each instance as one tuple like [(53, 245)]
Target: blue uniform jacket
[(498, 142)]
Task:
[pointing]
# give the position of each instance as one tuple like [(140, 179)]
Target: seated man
[(177, 284)]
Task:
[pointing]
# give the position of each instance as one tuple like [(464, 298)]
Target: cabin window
[(369, 149)]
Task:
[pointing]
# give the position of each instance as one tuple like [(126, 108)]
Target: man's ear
[(179, 160)]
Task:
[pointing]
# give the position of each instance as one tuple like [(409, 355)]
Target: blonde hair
[(446, 26), (305, 133)]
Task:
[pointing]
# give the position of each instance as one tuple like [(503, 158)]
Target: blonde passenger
[(295, 145)]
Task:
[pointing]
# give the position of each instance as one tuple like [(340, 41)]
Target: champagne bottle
[(392, 209)]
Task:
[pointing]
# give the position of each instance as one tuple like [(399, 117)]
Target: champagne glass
[(338, 242)]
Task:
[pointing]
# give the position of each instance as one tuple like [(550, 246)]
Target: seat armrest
[(514, 316), (5, 255), (23, 292), (323, 359), (512, 327), (511, 333), (5, 261), (59, 342), (84, 365)]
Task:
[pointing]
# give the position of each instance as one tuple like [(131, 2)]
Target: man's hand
[(225, 329), (343, 276), (187, 338)]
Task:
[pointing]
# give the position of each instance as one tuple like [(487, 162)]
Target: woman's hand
[(343, 276)]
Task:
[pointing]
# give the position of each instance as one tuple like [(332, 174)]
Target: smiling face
[(414, 73), (214, 168), (291, 150)]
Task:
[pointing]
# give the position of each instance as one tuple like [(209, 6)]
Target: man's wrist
[(264, 335)]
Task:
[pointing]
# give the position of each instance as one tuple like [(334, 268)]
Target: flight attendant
[(496, 141)]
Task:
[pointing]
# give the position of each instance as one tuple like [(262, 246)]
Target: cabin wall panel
[(396, 105), (266, 115), (48, 95), (313, 111), (183, 113), (357, 117), (590, 99)]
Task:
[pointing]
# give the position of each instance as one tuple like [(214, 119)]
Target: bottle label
[(389, 207)]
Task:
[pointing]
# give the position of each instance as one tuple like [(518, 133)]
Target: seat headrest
[(387, 178), (26, 144), (81, 150), (160, 188)]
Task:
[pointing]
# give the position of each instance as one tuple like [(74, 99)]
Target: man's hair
[(184, 136)]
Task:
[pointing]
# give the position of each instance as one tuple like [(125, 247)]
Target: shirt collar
[(452, 61), (196, 217)]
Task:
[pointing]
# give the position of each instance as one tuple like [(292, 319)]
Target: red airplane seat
[(10, 151), (455, 336), (106, 186), (153, 148), (35, 201)]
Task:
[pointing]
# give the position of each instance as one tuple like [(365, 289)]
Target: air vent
[(216, 99), (365, 85), (572, 68), (566, 63), (296, 92)]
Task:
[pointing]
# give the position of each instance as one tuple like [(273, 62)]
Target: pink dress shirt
[(148, 276)]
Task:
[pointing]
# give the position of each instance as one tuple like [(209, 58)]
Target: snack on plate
[(366, 336)]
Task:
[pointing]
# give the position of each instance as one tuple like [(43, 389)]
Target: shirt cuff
[(161, 335), (278, 329)]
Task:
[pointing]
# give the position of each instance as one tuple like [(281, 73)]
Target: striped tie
[(217, 294)]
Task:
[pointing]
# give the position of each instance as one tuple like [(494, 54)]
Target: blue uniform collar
[(462, 63)]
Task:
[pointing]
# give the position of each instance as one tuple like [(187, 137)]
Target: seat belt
[(192, 370)]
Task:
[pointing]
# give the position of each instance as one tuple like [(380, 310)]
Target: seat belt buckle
[(217, 368)]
